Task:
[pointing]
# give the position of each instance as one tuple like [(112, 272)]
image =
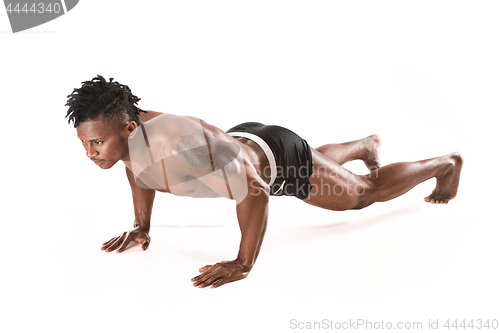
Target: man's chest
[(161, 177)]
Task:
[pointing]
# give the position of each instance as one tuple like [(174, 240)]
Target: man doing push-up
[(188, 157)]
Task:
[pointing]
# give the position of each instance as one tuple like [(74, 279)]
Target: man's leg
[(366, 149), (336, 188)]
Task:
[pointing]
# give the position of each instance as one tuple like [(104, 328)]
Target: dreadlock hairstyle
[(97, 98)]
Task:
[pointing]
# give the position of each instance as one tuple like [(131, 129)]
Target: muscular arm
[(252, 214), (205, 157), (252, 218), (143, 206), (143, 202)]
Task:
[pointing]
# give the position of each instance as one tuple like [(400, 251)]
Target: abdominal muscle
[(180, 185), (185, 185), (256, 156), (192, 188)]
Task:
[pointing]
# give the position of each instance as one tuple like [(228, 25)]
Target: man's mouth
[(98, 162)]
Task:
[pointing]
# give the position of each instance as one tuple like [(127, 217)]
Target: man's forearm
[(143, 207), (143, 203), (252, 217)]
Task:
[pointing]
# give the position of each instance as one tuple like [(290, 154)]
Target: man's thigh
[(335, 187)]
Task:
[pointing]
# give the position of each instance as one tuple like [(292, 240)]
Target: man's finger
[(116, 243), (206, 272), (198, 277), (108, 242), (201, 279), (209, 281), (106, 247), (124, 244), (204, 276), (113, 246), (204, 268), (218, 283), (145, 245)]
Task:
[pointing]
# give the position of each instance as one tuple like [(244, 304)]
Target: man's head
[(104, 114)]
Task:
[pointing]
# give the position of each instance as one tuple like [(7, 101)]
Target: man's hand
[(139, 235), (220, 273)]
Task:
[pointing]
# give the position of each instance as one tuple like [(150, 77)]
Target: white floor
[(399, 261)]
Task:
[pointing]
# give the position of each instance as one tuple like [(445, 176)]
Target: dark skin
[(334, 187)]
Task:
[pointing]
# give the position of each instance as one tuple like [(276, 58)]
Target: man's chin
[(106, 165)]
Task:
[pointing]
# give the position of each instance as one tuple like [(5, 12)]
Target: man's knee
[(363, 194), (362, 204)]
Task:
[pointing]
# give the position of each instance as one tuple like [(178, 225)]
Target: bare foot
[(372, 144), (447, 183)]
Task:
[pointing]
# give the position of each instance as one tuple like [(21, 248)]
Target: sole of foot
[(447, 183)]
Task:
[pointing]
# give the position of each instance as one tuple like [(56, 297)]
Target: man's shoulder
[(167, 127), (165, 134)]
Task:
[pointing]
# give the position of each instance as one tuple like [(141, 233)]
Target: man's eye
[(98, 142)]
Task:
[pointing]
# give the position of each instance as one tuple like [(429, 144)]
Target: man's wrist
[(246, 264), (144, 228)]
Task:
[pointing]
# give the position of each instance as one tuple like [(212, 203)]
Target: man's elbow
[(257, 187), (255, 190)]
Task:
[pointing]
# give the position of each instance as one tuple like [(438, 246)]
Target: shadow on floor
[(303, 234)]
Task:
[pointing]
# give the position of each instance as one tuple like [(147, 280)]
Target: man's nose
[(91, 151)]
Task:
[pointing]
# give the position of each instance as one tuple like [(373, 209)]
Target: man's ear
[(130, 129)]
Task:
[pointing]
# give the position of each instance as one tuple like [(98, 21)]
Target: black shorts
[(292, 156)]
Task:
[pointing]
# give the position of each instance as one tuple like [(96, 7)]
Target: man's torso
[(164, 147)]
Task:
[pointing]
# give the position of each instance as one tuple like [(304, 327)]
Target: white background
[(423, 75)]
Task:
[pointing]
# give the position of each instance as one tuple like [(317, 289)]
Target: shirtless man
[(248, 163)]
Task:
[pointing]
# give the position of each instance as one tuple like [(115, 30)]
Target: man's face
[(105, 144)]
